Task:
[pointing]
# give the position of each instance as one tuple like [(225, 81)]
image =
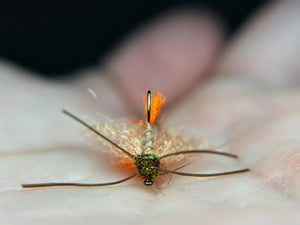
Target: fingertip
[(170, 55)]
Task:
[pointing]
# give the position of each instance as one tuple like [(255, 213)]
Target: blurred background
[(56, 38)]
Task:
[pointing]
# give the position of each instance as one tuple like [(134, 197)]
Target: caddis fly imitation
[(147, 160)]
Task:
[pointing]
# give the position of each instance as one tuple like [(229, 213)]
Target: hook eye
[(148, 182)]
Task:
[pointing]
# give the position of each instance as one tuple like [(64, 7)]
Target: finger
[(170, 55), (268, 48)]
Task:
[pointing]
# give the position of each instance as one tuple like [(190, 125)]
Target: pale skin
[(250, 95)]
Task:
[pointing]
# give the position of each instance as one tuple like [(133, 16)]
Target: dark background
[(57, 37)]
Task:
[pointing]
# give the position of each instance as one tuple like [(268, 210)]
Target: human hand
[(250, 95)]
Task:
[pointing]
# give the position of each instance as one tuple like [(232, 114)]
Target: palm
[(262, 118)]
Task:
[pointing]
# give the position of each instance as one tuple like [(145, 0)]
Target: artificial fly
[(147, 163)]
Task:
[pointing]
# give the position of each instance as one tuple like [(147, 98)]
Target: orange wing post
[(157, 100)]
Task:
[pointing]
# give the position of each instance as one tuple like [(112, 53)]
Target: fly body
[(147, 161)]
